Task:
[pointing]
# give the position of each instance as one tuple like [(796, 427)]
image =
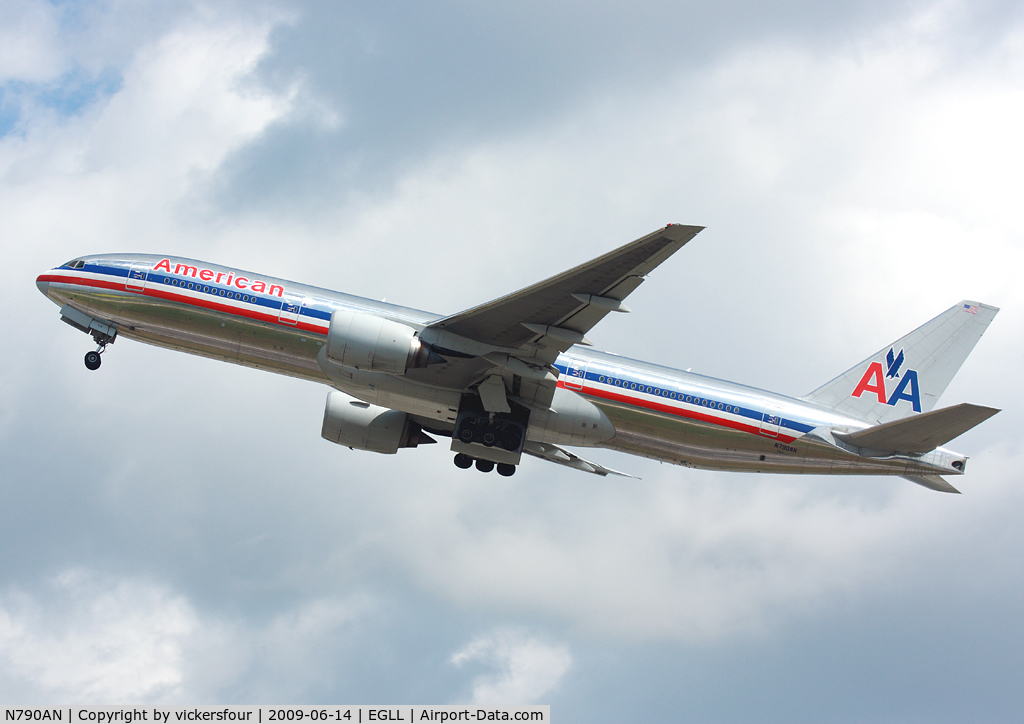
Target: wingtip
[(932, 482)]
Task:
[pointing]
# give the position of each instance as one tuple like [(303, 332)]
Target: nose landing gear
[(103, 333)]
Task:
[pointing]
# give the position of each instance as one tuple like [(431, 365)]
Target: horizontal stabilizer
[(933, 482), (920, 433)]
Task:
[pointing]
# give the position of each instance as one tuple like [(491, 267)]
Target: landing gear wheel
[(506, 470), (511, 440), (464, 461), (484, 466), (92, 360)]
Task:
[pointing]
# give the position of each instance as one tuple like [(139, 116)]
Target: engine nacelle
[(360, 425), (374, 344)]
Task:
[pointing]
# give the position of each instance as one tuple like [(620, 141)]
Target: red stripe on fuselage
[(161, 293), (677, 412)]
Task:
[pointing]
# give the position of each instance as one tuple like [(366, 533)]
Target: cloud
[(96, 641), (852, 188), (30, 41), (183, 104), (93, 638), (528, 669)]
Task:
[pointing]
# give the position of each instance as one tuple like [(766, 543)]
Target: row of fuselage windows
[(689, 399), (210, 290)]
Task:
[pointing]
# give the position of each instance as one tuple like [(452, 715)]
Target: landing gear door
[(137, 278), (575, 375)]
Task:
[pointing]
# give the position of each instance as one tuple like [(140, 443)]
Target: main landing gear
[(464, 461)]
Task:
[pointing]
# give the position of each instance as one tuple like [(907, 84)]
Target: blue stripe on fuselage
[(270, 302), (670, 390)]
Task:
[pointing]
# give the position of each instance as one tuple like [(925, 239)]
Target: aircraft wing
[(521, 334), (556, 454), (549, 317), (934, 482)]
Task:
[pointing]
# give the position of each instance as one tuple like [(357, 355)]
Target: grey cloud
[(410, 81)]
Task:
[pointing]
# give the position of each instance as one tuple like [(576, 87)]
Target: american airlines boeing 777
[(516, 375)]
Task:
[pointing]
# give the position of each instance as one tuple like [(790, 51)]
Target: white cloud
[(123, 169), (96, 641), (30, 45), (527, 669)]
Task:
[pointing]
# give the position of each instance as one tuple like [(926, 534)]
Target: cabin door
[(575, 375), (770, 421), (290, 306), (137, 278)]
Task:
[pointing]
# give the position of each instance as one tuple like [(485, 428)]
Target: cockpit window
[(75, 264)]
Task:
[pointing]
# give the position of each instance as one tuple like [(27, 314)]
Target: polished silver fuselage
[(282, 326)]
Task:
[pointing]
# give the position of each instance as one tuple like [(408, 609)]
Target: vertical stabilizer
[(909, 375)]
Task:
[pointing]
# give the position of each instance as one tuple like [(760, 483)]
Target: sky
[(174, 530)]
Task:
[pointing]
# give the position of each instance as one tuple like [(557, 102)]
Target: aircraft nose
[(44, 286)]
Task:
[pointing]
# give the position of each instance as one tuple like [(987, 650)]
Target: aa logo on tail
[(874, 381)]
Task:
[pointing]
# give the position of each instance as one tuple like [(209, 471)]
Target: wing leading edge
[(549, 317)]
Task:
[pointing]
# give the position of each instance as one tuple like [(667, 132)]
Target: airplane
[(517, 375)]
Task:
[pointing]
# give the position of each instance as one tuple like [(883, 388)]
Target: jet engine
[(362, 426), (374, 344)]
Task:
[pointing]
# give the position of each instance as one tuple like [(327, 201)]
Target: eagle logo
[(895, 362)]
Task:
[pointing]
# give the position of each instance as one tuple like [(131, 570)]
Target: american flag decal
[(971, 308)]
